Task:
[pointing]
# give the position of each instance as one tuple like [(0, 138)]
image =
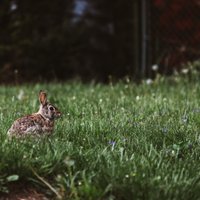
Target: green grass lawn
[(120, 141)]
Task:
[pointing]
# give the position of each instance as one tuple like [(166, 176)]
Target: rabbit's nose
[(59, 114)]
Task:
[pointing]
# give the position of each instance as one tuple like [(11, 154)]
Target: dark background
[(95, 39)]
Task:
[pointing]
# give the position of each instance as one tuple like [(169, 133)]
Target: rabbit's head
[(47, 110)]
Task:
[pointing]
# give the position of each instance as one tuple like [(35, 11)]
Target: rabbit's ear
[(42, 97)]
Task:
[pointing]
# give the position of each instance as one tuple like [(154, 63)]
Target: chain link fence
[(174, 33)]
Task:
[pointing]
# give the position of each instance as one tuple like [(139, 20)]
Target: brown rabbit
[(40, 123)]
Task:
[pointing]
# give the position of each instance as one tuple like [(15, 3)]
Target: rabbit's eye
[(51, 108)]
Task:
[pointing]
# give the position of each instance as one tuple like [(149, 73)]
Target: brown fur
[(39, 123)]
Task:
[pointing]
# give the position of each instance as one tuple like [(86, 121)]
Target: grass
[(121, 141)]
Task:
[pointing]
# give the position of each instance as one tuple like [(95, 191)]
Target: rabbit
[(40, 123)]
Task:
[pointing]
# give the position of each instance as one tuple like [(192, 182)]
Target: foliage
[(113, 142), (178, 41), (47, 40), (6, 180)]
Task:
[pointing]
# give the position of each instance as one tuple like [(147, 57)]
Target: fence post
[(136, 45), (145, 38)]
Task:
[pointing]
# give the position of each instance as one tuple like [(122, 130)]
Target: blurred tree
[(64, 39), (178, 41), (108, 37), (34, 38)]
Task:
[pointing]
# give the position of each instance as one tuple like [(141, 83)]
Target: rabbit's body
[(31, 124), (40, 123)]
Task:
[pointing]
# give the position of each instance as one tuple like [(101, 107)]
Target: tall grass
[(121, 141)]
